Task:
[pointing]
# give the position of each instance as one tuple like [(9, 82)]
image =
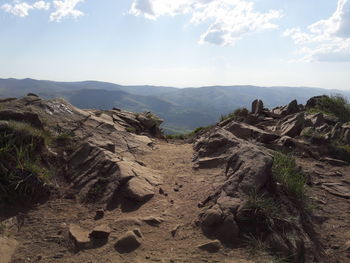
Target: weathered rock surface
[(100, 164)]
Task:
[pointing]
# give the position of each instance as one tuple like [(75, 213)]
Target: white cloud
[(41, 5), (325, 40), (62, 8), (229, 20), (21, 9), (65, 8)]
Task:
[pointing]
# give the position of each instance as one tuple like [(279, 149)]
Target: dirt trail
[(43, 237)]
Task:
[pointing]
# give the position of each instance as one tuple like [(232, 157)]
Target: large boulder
[(293, 126), (257, 107)]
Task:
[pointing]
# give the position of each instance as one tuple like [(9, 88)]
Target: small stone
[(79, 236), (153, 221), (174, 230), (176, 189), (161, 191), (58, 256), (212, 246), (99, 214), (138, 232), (127, 243), (100, 232)]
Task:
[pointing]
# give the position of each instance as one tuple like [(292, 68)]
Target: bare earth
[(44, 234)]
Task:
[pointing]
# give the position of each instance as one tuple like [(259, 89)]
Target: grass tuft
[(22, 175), (286, 172), (240, 112)]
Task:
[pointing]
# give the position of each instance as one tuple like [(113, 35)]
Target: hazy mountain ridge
[(183, 109)]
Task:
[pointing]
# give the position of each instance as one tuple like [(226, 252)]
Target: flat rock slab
[(7, 249)]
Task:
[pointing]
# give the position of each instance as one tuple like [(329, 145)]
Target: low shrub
[(240, 112), (336, 105)]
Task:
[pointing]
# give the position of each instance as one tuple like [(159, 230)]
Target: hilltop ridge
[(183, 109), (105, 185)]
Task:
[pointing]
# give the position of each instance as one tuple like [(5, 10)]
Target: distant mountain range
[(182, 109)]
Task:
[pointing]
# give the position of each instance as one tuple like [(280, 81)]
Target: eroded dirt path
[(44, 235)]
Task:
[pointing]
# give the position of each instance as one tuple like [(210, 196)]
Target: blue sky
[(177, 42)]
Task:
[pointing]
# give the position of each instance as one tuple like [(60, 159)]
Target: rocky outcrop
[(243, 150), (226, 214), (99, 163), (291, 108)]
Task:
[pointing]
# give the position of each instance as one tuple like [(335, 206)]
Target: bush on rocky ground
[(335, 105)]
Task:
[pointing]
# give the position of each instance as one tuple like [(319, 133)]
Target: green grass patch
[(336, 105), (21, 173), (292, 179), (260, 204)]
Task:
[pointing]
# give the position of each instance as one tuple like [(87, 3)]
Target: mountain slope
[(182, 109)]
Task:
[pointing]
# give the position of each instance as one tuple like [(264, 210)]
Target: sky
[(181, 43)]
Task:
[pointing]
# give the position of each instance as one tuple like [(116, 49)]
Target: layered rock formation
[(99, 163)]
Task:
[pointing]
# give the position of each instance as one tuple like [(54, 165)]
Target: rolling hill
[(182, 109)]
